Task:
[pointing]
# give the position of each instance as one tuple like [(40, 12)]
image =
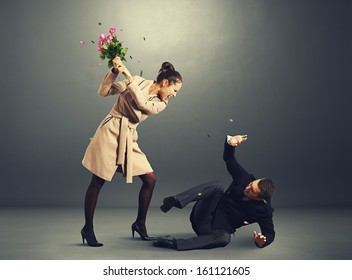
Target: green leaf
[(109, 55), (124, 51), (112, 48)]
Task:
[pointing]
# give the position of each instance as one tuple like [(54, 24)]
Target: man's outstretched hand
[(259, 239), (236, 140)]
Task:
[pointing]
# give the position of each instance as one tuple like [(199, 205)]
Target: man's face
[(252, 191)]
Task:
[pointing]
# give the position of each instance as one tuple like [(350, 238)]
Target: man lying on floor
[(218, 213)]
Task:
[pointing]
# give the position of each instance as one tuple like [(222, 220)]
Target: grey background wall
[(280, 69)]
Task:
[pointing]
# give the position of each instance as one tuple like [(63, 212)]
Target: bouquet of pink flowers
[(109, 47)]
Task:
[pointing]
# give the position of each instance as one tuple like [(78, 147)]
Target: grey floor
[(53, 234)]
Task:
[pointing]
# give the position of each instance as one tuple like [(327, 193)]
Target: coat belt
[(125, 145)]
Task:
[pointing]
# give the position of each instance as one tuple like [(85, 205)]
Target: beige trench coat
[(114, 145)]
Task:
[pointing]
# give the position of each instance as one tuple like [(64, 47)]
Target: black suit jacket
[(234, 209)]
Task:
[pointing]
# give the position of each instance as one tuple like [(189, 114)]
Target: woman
[(114, 146)]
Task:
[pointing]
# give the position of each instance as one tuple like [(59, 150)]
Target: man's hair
[(266, 187)]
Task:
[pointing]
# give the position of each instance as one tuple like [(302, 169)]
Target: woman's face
[(168, 90)]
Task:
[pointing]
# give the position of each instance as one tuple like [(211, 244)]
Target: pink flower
[(82, 42), (102, 36), (109, 39), (112, 30), (100, 45)]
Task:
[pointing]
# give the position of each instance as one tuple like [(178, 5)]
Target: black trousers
[(207, 197)]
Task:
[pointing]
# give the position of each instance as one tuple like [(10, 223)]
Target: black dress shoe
[(165, 242), (170, 202)]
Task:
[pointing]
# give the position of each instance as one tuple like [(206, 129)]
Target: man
[(217, 214)]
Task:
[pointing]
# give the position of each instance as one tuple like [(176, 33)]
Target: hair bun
[(166, 66)]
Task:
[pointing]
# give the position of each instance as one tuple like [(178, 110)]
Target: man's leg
[(197, 193), (207, 197), (202, 213), (201, 219), (215, 238)]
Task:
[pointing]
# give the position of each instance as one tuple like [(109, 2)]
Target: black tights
[(145, 196), (91, 199)]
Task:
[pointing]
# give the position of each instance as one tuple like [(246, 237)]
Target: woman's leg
[(90, 203), (145, 196)]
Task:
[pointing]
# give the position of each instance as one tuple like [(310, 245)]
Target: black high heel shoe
[(143, 235), (90, 238)]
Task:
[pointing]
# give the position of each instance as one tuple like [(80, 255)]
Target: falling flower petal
[(144, 38), (246, 222), (130, 57), (230, 120), (82, 42), (92, 41), (99, 23)]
